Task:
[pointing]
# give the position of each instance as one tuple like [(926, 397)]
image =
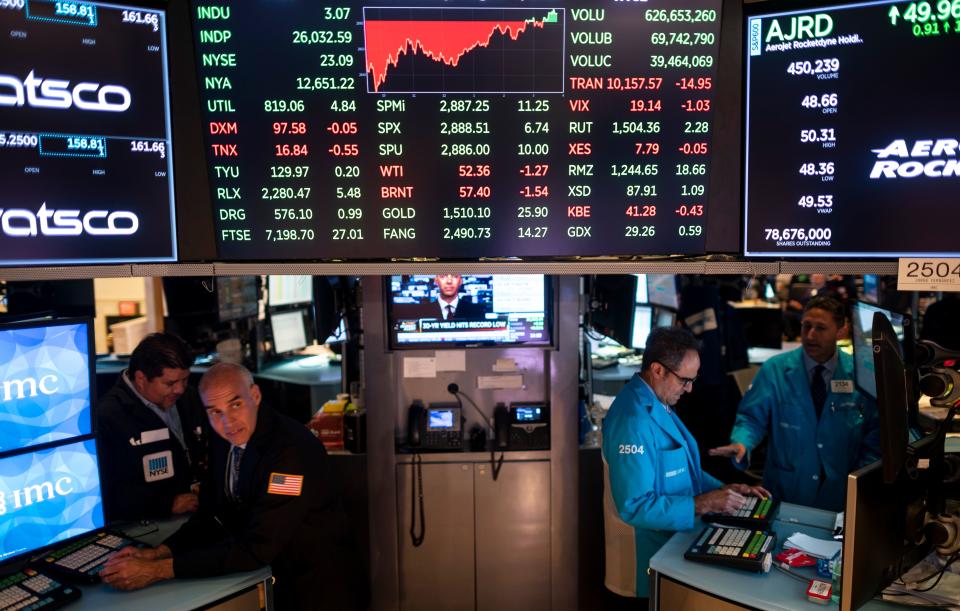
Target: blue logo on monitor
[(44, 385), (48, 496)]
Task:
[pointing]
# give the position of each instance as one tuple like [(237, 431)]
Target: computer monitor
[(876, 543), (614, 299), (665, 318), (62, 298), (662, 290), (491, 310), (289, 290), (48, 495), (863, 354), (641, 294), (642, 325), (762, 327), (871, 288), (339, 334), (46, 382), (237, 297), (289, 331)]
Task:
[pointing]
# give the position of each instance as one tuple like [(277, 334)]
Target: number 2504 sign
[(928, 275)]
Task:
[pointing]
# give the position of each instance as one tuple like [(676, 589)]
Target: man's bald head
[(232, 401)]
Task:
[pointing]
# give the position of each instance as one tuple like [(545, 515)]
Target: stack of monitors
[(85, 147), (485, 129), (832, 168), (49, 477)]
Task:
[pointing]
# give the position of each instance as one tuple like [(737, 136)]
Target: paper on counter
[(505, 365), (818, 548), (488, 382), (419, 367), (451, 360)]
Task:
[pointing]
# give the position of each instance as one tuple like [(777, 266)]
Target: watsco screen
[(85, 157)]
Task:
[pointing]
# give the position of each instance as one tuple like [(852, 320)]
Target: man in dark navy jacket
[(270, 498), (152, 434)]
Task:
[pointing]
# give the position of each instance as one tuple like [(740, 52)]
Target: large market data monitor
[(852, 130), (85, 159), (460, 129)]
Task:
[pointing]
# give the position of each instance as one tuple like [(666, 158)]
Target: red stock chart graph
[(467, 50)]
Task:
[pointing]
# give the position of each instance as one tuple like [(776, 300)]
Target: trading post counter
[(678, 584), (252, 591)]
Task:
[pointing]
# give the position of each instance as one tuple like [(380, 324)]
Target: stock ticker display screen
[(85, 162), (852, 130), (457, 129)]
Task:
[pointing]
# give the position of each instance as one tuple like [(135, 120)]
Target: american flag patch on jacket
[(281, 483)]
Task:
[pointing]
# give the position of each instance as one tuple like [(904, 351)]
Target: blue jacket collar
[(657, 410)]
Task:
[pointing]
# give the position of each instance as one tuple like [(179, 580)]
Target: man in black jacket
[(269, 498), (451, 303), (152, 433)]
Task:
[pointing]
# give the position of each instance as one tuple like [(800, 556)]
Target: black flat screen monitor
[(862, 316), (59, 298), (46, 382), (237, 297), (85, 149), (762, 327), (641, 293), (482, 128), (289, 290), (491, 310), (871, 288), (662, 290), (833, 170), (289, 331), (875, 551), (615, 298), (642, 325), (665, 318)]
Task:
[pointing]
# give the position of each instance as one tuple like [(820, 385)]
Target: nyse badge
[(158, 466)]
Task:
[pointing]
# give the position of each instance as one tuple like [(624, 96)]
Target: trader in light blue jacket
[(653, 484), (820, 427)]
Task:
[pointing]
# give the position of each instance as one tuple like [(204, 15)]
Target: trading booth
[(440, 235)]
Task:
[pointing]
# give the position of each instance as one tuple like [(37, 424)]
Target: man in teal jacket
[(654, 485), (819, 426)]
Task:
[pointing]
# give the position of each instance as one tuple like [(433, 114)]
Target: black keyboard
[(30, 589), (756, 513), (82, 560), (738, 548)]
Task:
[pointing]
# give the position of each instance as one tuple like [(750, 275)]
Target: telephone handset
[(416, 424), (501, 426)]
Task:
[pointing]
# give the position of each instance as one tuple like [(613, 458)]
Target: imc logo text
[(12, 390)]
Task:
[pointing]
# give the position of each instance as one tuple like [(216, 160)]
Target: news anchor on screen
[(451, 304)]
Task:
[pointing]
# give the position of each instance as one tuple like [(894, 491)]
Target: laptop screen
[(48, 496)]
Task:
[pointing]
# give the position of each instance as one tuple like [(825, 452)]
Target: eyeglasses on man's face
[(685, 381)]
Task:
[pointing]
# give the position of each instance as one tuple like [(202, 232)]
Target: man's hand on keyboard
[(127, 572)]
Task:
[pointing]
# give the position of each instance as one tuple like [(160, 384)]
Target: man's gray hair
[(225, 370), (668, 346)]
